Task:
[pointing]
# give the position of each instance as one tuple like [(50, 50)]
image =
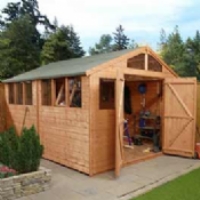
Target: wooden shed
[(103, 112)]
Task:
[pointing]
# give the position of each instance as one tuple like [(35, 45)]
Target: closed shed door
[(179, 116)]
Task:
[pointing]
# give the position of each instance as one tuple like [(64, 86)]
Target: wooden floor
[(139, 153)]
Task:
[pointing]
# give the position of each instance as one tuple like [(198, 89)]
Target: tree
[(62, 45), (173, 50), (103, 46), (163, 40), (192, 56), (132, 45), (18, 52), (183, 57), (120, 39), (30, 8)]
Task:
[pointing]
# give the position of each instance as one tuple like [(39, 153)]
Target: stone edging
[(25, 184)]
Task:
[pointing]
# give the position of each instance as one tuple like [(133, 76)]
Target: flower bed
[(25, 184), (6, 172)]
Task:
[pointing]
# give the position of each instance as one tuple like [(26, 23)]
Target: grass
[(186, 187)]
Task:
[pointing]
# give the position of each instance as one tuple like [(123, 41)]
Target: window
[(60, 92), (28, 93), (75, 92), (11, 98), (107, 94), (46, 92), (154, 65), (137, 62), (19, 93)]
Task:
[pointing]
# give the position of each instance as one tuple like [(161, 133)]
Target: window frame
[(26, 93), (74, 92), (49, 95), (111, 96)]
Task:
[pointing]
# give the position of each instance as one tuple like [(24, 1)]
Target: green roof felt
[(71, 67)]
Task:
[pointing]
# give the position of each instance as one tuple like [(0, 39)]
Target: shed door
[(119, 123), (179, 116)]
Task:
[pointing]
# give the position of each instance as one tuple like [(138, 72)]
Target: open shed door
[(119, 90), (179, 116)]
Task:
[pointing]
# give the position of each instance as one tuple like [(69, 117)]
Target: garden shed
[(106, 111)]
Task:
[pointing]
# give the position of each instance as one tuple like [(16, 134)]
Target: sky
[(141, 19)]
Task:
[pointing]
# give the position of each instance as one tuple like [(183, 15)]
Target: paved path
[(68, 184)]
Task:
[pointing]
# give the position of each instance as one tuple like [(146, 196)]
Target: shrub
[(30, 151), (9, 142), (21, 153)]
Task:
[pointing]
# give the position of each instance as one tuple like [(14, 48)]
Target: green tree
[(121, 41), (173, 51), (132, 45), (62, 45), (16, 10), (163, 40), (18, 52), (192, 56), (103, 46)]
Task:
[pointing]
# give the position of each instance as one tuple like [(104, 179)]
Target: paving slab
[(133, 181)]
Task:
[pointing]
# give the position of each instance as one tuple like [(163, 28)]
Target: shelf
[(149, 128), (149, 117), (144, 137)]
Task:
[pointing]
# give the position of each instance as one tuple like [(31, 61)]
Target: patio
[(134, 180)]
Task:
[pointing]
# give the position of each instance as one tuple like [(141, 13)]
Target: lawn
[(186, 187)]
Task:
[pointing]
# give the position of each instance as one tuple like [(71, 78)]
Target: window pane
[(60, 92), (75, 92), (28, 92), (107, 94), (11, 93), (19, 99), (46, 92)]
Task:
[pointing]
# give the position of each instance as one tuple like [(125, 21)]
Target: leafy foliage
[(21, 153), (18, 52), (183, 57), (103, 46), (62, 45), (30, 151), (121, 41)]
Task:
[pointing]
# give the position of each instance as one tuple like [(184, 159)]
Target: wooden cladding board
[(198, 114), (22, 115), (179, 116), (102, 127), (65, 136), (64, 131), (16, 115), (2, 108)]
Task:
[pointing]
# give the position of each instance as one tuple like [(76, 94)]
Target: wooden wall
[(2, 109), (198, 113), (102, 127), (65, 132), (19, 115)]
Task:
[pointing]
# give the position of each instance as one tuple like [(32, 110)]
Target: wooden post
[(53, 92), (146, 61), (23, 93), (67, 92), (119, 122)]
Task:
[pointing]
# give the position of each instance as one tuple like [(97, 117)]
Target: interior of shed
[(142, 118)]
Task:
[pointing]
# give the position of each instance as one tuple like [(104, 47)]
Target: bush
[(9, 142), (21, 153), (30, 151)]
